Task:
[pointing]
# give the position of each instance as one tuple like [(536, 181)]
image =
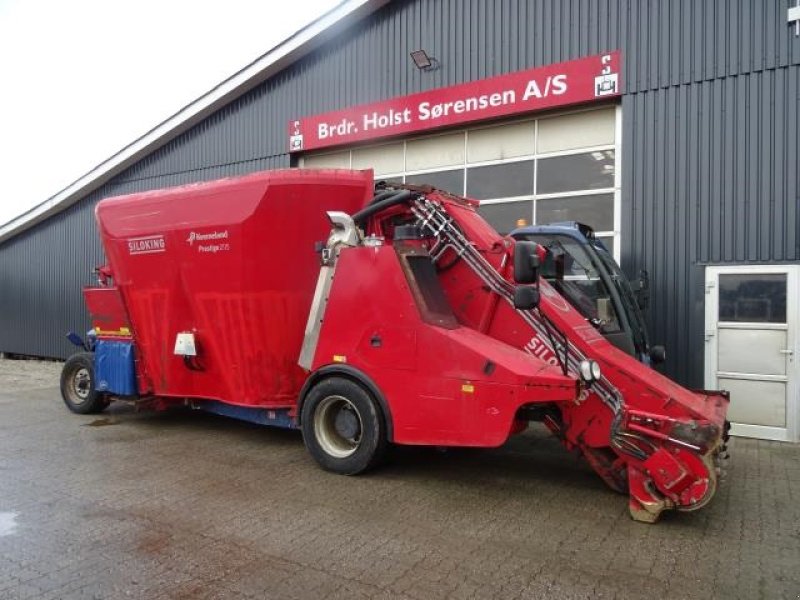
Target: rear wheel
[(343, 427), (78, 385)]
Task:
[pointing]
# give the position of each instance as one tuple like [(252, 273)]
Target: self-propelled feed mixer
[(366, 317)]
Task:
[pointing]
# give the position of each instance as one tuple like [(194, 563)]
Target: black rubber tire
[(325, 400), (78, 385)]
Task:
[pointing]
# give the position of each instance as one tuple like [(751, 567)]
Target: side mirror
[(526, 262), (644, 280), (643, 290), (526, 298), (658, 355)]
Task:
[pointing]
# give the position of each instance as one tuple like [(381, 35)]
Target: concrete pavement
[(189, 505)]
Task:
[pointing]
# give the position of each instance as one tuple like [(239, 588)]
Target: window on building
[(561, 167)]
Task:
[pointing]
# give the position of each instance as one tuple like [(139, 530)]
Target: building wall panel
[(709, 177), (709, 151)]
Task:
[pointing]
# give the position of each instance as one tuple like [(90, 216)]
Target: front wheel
[(343, 427), (78, 385)]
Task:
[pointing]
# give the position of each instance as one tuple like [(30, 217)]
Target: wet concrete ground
[(188, 505)]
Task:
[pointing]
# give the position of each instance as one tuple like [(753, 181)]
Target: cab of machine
[(583, 270)]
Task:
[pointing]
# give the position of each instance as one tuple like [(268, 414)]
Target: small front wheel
[(343, 427), (78, 385)]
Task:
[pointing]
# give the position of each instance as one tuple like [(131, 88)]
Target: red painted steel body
[(233, 262), (434, 378), (659, 417)]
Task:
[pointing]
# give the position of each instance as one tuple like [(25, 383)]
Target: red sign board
[(574, 82)]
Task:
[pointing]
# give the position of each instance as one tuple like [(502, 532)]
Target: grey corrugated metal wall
[(709, 140), (710, 177)]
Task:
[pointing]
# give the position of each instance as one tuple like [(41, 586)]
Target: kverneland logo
[(204, 237)]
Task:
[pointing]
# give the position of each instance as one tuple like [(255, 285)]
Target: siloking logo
[(150, 244)]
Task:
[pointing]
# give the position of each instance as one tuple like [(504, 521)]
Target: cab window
[(573, 273)]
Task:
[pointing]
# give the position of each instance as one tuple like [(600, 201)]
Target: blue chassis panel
[(114, 369), (262, 416), (115, 374)]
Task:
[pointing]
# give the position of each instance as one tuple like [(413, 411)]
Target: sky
[(81, 79)]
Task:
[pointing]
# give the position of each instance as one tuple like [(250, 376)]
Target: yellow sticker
[(467, 388), (339, 358), (121, 331)]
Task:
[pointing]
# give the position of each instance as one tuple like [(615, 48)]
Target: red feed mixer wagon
[(364, 317)]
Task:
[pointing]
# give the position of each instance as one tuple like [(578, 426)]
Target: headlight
[(596, 370), (590, 370)]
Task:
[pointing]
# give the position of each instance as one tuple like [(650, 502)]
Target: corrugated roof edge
[(278, 58)]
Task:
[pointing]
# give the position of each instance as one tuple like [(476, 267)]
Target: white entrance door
[(751, 347)]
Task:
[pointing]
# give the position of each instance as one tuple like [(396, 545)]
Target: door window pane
[(335, 160), (446, 160), (753, 298), (497, 143), (751, 351), (579, 130), (439, 151), (387, 158), (756, 402), (504, 216), (596, 211), (588, 171), (501, 181), (452, 181)]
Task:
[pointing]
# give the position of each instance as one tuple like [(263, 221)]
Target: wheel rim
[(81, 385), (338, 426)]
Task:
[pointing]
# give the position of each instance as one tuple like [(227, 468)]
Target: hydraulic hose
[(376, 207), (383, 196)]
